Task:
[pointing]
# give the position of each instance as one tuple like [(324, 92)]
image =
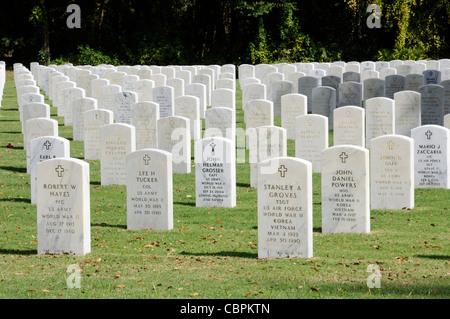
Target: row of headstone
[(143, 116), (284, 190), (291, 71), (136, 78), (148, 173), (2, 79), (349, 188), (316, 98), (62, 189), (214, 185), (114, 98)]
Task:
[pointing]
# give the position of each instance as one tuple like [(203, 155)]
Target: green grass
[(211, 253)]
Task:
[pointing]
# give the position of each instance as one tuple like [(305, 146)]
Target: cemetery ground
[(211, 253)]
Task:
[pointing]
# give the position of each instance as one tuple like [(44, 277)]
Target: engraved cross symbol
[(310, 122), (47, 145), (390, 145), (213, 145), (428, 134), (146, 159), (282, 169), (343, 157), (60, 170)]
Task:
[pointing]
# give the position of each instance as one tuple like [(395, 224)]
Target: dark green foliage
[(218, 32)]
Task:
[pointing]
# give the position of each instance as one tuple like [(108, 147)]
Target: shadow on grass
[(239, 254), (15, 199), (245, 185), (439, 257), (386, 290), (26, 252), (14, 169), (13, 148), (9, 109), (185, 204), (109, 225)]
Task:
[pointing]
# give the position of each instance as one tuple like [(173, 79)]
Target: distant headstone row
[(2, 79), (141, 133), (140, 121)]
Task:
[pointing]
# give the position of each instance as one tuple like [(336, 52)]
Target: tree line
[(164, 32)]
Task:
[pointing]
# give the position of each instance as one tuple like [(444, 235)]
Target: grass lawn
[(211, 253)]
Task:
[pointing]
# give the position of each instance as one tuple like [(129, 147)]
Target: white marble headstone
[(149, 190), (79, 107), (345, 189), (413, 82), (324, 102), (350, 93), (36, 127), (349, 126), (407, 112), (220, 122), (280, 89), (174, 136), (265, 142), (189, 107), (144, 89), (198, 90), (44, 148), (285, 208), (108, 97), (93, 121), (63, 207), (431, 156), (71, 94), (380, 117), (311, 138), (223, 98), (394, 83), (215, 172), (392, 172), (144, 117), (432, 104), (292, 105), (164, 96), (305, 86), (123, 102), (33, 110), (116, 141)]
